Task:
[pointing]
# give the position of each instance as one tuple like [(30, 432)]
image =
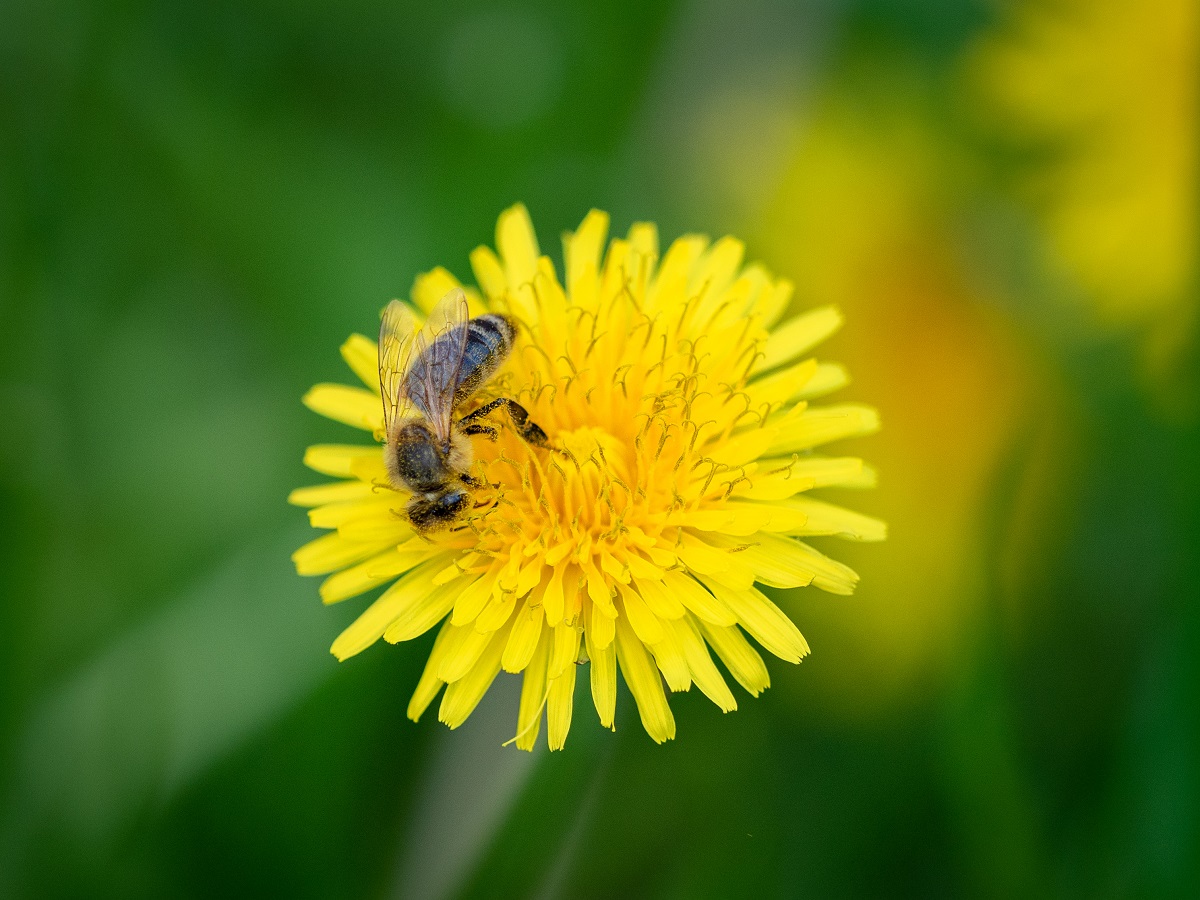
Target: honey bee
[(426, 375)]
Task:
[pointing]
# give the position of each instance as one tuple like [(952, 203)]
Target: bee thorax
[(415, 461)]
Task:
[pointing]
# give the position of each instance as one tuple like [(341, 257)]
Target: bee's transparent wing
[(397, 337), (432, 380)]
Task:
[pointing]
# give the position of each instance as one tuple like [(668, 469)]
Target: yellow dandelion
[(674, 482), (1112, 87)]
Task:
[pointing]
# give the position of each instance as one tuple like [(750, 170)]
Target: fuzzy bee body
[(425, 376)]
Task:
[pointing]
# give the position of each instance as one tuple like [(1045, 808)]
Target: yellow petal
[(670, 284), (616, 264), (464, 695), (713, 274), (337, 492), (380, 523), (828, 574), (779, 478), (692, 595), (530, 575), (742, 660), (643, 256), (662, 602), (337, 459), (644, 623), (334, 515), (370, 626), (581, 255), (828, 378), (598, 589), (362, 356), (641, 675), (464, 647), (405, 556), (600, 627), (330, 552), (497, 612), (518, 245), (779, 563), (424, 611), (783, 562), (432, 286), (474, 597), (669, 655), (700, 556), (360, 578), (377, 518), (826, 518), (798, 335), (772, 306), (740, 301), (820, 425), (457, 569), (565, 651), (703, 670), (559, 708), (731, 518), (489, 273), (604, 678), (352, 406), (533, 696), (745, 447), (553, 597), (779, 387), (430, 684), (508, 574), (523, 639), (777, 518), (643, 239), (611, 566), (640, 567), (736, 571), (765, 622)]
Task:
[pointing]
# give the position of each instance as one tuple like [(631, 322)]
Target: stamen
[(786, 468)]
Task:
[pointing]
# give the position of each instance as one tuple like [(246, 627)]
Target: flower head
[(675, 481), (1105, 92)]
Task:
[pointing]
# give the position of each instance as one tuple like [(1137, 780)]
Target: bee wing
[(397, 337), (433, 380)]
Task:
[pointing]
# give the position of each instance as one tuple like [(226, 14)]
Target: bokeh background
[(198, 202)]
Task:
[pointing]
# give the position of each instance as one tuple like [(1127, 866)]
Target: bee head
[(434, 511)]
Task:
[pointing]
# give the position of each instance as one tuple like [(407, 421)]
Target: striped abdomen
[(489, 340)]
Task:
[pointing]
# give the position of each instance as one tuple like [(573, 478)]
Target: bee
[(426, 375)]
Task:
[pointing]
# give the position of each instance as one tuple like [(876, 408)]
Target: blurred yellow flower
[(681, 456), (1110, 89), (865, 215)]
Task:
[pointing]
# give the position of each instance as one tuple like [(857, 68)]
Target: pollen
[(682, 448)]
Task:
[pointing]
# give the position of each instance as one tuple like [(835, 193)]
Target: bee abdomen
[(489, 340)]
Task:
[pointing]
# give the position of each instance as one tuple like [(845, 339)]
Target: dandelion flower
[(1111, 88), (675, 484)]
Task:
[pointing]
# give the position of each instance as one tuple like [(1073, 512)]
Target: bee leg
[(471, 481), (480, 413), (486, 430), (530, 432)]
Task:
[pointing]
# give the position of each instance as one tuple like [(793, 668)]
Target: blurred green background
[(200, 201)]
